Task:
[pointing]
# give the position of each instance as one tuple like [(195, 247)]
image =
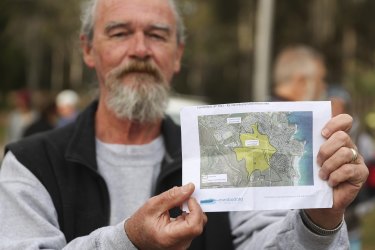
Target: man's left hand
[(340, 168)]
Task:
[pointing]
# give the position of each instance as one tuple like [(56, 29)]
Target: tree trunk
[(264, 25)]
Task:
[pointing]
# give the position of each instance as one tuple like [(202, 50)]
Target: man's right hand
[(151, 227)]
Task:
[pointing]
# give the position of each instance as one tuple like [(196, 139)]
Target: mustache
[(137, 66)]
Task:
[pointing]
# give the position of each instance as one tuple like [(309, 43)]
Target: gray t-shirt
[(130, 172)]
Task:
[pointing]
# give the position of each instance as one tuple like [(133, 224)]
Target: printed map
[(259, 149)]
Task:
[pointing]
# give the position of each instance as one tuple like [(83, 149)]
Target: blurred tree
[(42, 31), (12, 59), (246, 44), (218, 54), (39, 44)]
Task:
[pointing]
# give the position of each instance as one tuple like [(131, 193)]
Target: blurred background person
[(341, 104), (67, 107), (46, 121), (299, 74), (21, 116)]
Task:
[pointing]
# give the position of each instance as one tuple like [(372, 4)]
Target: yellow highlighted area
[(256, 150)]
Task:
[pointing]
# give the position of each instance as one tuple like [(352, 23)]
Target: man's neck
[(110, 129)]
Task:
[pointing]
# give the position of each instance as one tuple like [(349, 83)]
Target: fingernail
[(330, 183), (322, 175), (325, 132), (319, 162), (185, 188)]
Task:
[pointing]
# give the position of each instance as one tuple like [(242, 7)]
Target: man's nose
[(140, 47)]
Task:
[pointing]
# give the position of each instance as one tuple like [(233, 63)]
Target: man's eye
[(119, 34), (157, 37)]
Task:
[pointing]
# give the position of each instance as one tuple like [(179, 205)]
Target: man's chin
[(138, 78)]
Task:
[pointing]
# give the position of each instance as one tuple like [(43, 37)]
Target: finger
[(193, 223), (181, 217), (184, 214), (342, 122), (333, 144), (196, 215), (342, 156), (342, 174), (354, 174), (205, 219), (171, 198)]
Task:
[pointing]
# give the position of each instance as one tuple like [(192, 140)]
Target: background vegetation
[(40, 50)]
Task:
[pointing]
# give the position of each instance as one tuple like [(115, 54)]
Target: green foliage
[(363, 82), (220, 41), (26, 23)]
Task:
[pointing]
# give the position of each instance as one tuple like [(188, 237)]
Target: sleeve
[(29, 219), (280, 229)]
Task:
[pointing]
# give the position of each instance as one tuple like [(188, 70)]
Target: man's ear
[(86, 46), (179, 53)]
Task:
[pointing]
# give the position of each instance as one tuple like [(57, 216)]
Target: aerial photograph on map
[(260, 149)]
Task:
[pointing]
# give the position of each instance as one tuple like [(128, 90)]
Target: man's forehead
[(159, 8), (141, 13)]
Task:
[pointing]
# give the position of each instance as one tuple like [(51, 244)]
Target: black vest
[(64, 160)]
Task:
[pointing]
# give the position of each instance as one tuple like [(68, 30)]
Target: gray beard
[(143, 100)]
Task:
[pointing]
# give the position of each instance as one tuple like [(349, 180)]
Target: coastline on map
[(296, 160), (304, 122)]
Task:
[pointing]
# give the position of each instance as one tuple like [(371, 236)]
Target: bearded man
[(111, 180)]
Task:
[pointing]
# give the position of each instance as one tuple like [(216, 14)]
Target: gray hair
[(299, 59), (88, 18)]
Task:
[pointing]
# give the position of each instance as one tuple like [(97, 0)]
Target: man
[(299, 74), (88, 185)]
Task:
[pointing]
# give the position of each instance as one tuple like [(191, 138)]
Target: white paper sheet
[(255, 156)]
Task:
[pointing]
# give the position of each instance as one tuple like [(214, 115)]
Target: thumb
[(173, 197)]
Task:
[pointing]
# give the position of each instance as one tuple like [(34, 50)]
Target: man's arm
[(29, 219), (280, 229)]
